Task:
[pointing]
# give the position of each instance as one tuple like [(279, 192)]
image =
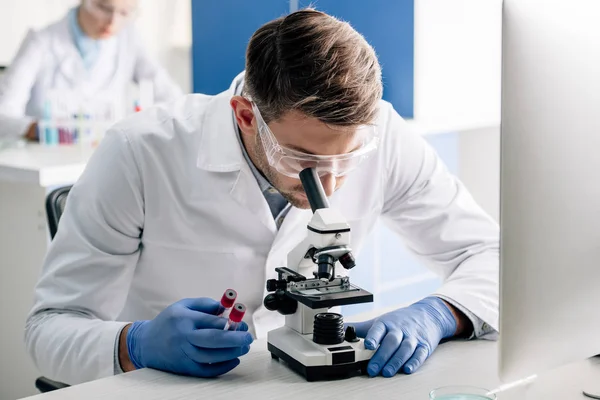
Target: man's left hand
[(408, 336)]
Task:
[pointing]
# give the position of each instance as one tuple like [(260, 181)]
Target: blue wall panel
[(221, 30), (389, 27)]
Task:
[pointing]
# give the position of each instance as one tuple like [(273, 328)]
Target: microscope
[(313, 341)]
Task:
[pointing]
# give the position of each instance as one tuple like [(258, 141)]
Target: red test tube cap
[(228, 298), (237, 312)]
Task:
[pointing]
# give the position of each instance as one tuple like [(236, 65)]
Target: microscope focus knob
[(271, 285), (288, 306), (278, 301), (271, 302), (274, 284)]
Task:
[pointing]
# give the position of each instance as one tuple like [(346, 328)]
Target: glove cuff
[(438, 310), (132, 338)]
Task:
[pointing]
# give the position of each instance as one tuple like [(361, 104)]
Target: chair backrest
[(55, 206)]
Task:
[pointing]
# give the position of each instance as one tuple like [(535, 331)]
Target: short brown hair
[(311, 62)]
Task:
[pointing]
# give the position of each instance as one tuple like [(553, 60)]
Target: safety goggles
[(106, 11), (291, 162)]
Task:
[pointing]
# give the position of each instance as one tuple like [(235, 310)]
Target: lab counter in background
[(27, 174), (44, 166)]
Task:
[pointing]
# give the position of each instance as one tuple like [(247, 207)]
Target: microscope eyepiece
[(314, 189)]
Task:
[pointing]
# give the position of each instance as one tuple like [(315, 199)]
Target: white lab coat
[(168, 208), (48, 60)]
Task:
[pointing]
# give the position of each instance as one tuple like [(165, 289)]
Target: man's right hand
[(186, 338)]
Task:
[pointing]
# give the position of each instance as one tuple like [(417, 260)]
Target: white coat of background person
[(185, 201), (91, 54)]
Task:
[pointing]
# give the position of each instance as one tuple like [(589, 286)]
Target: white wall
[(165, 26), (457, 60), (457, 80), (18, 16)]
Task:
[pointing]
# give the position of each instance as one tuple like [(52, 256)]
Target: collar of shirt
[(88, 48), (277, 203), (263, 183)]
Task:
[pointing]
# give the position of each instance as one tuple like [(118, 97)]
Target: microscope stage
[(328, 297)]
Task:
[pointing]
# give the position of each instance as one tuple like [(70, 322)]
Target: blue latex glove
[(188, 338), (406, 337)]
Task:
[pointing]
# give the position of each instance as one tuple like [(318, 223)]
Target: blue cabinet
[(388, 25), (222, 28)]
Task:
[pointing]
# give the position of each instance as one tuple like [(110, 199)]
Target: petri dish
[(461, 393)]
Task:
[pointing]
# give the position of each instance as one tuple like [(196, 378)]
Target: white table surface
[(260, 377), (43, 165)]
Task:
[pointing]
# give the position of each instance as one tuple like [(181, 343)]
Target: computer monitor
[(550, 185)]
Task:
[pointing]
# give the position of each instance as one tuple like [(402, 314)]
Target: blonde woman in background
[(91, 55)]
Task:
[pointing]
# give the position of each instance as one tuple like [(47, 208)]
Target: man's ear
[(244, 116)]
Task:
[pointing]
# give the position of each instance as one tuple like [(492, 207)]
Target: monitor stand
[(592, 384)]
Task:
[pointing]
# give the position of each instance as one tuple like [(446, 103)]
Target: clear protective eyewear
[(105, 11), (291, 162)]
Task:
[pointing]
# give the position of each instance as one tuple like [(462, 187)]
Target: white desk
[(259, 377), (42, 166), (26, 174)]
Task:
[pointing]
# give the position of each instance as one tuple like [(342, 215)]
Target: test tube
[(74, 128), (46, 137), (235, 317), (227, 302)]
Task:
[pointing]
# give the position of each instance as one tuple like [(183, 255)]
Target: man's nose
[(328, 182)]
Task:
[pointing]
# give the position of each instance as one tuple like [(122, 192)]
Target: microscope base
[(318, 362)]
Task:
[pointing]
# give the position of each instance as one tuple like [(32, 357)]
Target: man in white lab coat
[(80, 64), (186, 200)]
